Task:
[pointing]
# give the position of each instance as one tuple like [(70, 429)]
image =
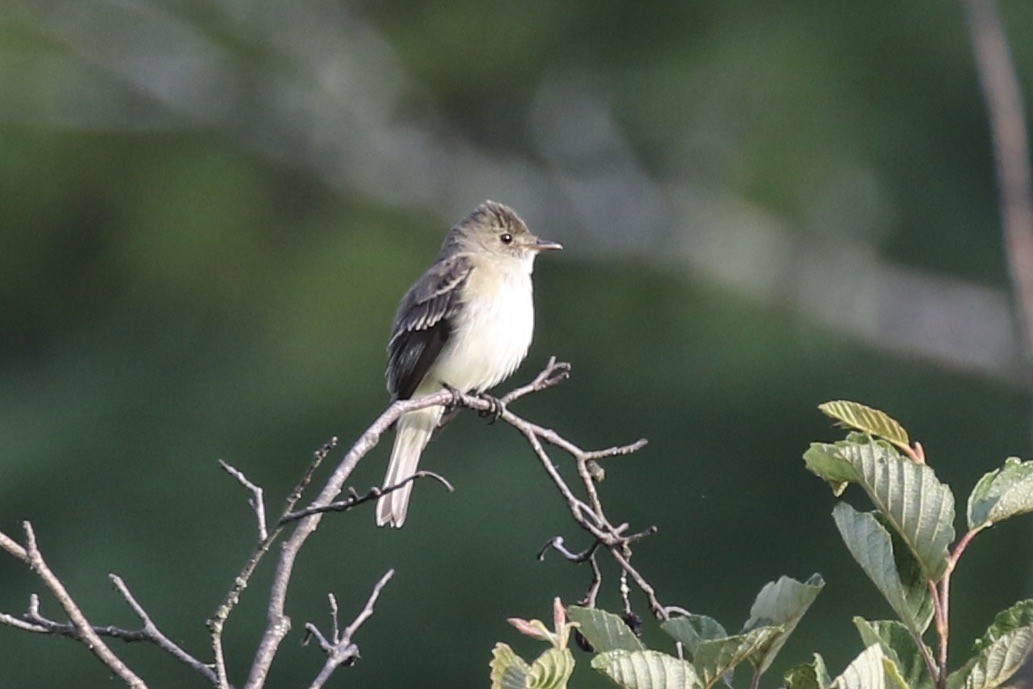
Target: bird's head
[(493, 228)]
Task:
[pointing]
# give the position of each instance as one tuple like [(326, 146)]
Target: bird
[(466, 324)]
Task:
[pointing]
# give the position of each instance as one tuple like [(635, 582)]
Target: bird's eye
[(506, 238)]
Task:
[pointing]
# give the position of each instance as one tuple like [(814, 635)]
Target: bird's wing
[(424, 323)]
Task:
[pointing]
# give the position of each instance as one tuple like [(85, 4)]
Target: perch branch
[(587, 512)]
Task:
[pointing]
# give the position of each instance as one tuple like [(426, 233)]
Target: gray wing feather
[(424, 323)]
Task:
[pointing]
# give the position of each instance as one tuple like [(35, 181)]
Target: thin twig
[(935, 670), (556, 543), (597, 582), (340, 649), (589, 514), (555, 372), (217, 623), (317, 459), (151, 633), (33, 620), (257, 502), (354, 500)]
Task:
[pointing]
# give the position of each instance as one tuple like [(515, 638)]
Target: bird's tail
[(413, 434)]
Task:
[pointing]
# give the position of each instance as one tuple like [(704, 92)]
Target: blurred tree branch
[(339, 646), (1003, 95)]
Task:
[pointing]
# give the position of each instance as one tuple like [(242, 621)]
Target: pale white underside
[(492, 333)]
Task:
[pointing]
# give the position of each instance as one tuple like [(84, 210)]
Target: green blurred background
[(210, 210)]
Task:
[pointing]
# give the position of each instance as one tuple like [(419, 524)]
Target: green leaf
[(870, 544), (899, 646), (508, 670), (866, 420), (1002, 493), (551, 670), (913, 501), (995, 664), (1000, 652), (867, 671), (1018, 615), (813, 675), (646, 670), (780, 603), (916, 585), (715, 658), (604, 630), (893, 676), (692, 630), (824, 460)]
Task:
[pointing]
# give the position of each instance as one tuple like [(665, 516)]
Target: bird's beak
[(545, 245)]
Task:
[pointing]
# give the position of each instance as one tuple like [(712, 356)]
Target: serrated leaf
[(866, 420), (1002, 493), (912, 499), (813, 675), (995, 664), (604, 630), (867, 671), (870, 544), (1018, 615), (551, 670), (780, 603), (899, 646), (1001, 651), (692, 630), (508, 670), (646, 670), (715, 658)]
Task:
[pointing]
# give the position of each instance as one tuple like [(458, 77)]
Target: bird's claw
[(495, 409), (455, 403)]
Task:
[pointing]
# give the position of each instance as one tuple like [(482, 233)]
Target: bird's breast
[(492, 331)]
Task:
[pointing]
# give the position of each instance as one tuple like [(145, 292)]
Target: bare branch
[(555, 372), (257, 502), (317, 459), (354, 499), (278, 624), (588, 513), (557, 544), (33, 620), (339, 646), (13, 547), (83, 630), (151, 633), (340, 649), (217, 623)]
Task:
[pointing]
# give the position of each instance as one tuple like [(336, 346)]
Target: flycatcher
[(466, 323)]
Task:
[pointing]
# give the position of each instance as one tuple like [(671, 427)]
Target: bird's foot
[(452, 407), (495, 409)]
